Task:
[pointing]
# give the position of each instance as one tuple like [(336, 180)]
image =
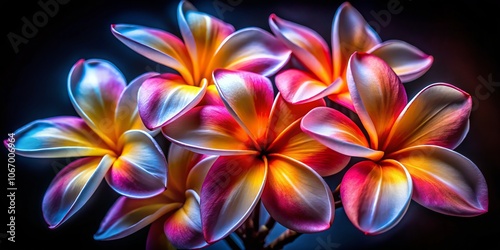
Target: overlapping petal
[(350, 33), (445, 181), (335, 130), (253, 50), (209, 130), (72, 188), (229, 193), (157, 45), (62, 136), (438, 115), (375, 196), (202, 35), (141, 169), (94, 87), (127, 114), (299, 87), (183, 228), (128, 215), (283, 114), (407, 61), (297, 197), (248, 97), (377, 95), (165, 97), (199, 172), (186, 169), (296, 144), (307, 45)]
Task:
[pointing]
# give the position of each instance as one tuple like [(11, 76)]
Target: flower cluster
[(239, 140)]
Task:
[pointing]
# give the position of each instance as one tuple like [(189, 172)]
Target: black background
[(462, 36)]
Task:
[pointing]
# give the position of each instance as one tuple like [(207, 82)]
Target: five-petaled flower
[(109, 139), (324, 73), (207, 44), (263, 155), (174, 215), (410, 148)]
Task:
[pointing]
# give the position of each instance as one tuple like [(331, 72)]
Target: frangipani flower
[(108, 136), (207, 43), (324, 73), (409, 149), (174, 215), (263, 155)]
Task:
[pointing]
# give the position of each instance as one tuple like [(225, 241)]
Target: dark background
[(462, 36)]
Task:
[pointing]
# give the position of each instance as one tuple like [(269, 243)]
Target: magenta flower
[(409, 148), (263, 155), (108, 136), (174, 215), (207, 44), (324, 73)]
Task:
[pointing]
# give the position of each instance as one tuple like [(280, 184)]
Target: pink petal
[(141, 169), (95, 86), (251, 49), (350, 33), (183, 228), (209, 130), (203, 35), (406, 60), (230, 192), (62, 136), (377, 95), (376, 196), (157, 45), (297, 197), (336, 131), (438, 115), (445, 181), (128, 216), (72, 187), (298, 86), (296, 144), (127, 115), (307, 45), (166, 97), (248, 97)]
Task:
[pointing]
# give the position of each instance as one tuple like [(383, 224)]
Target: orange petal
[(406, 60), (157, 45), (297, 197), (209, 130), (296, 144), (350, 33), (95, 86), (438, 115), (445, 181), (336, 131), (377, 95), (203, 35), (248, 97), (229, 193), (283, 114), (307, 45), (299, 87), (375, 196)]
